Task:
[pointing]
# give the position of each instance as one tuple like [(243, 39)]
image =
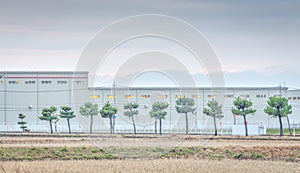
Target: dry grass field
[(143, 166), (148, 153)]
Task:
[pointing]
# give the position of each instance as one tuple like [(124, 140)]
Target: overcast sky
[(257, 42)]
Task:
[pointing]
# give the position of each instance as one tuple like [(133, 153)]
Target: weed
[(94, 151), (64, 149)]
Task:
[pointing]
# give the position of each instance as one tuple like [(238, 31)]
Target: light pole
[(280, 88)]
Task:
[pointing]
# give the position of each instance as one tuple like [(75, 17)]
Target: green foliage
[(276, 131), (185, 105), (130, 109), (21, 116), (158, 110), (22, 122), (66, 112), (242, 107), (108, 110), (64, 149), (214, 110), (47, 114), (52, 153), (89, 109), (278, 106)]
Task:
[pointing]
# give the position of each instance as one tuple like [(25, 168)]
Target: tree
[(89, 109), (278, 107), (214, 111), (22, 122), (285, 112), (159, 112), (185, 105), (48, 115), (55, 123), (108, 111), (130, 110), (243, 108), (67, 113)]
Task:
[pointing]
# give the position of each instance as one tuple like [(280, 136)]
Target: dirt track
[(144, 141)]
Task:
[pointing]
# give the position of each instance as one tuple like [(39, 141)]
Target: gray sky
[(257, 42)]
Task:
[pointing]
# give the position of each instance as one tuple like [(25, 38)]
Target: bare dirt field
[(148, 153), (144, 141)]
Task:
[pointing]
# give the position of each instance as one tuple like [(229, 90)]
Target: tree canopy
[(89, 109), (108, 111), (22, 123), (159, 112), (243, 107), (66, 112), (48, 115), (130, 110), (185, 105), (278, 107), (215, 111)]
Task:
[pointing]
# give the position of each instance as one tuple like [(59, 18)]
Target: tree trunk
[(51, 130), (280, 123), (288, 121), (91, 124), (110, 122), (68, 120), (160, 128), (215, 124), (113, 127), (186, 124), (55, 127), (134, 129), (245, 122), (155, 126)]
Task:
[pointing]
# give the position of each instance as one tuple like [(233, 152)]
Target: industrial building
[(30, 92)]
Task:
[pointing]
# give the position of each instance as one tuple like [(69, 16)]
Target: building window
[(61, 82), (229, 96), (13, 82), (79, 82), (298, 98), (129, 96), (111, 96), (245, 96), (289, 98), (94, 96), (261, 96), (179, 96), (196, 96), (145, 96), (294, 98), (162, 96), (46, 82), (30, 82), (1, 82), (212, 96)]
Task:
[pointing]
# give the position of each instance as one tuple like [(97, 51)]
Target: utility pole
[(114, 100), (280, 89)]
